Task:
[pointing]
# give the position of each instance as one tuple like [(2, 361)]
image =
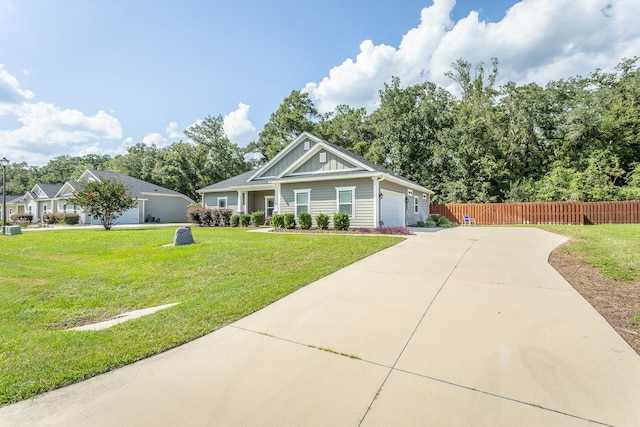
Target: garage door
[(392, 209), (128, 217)]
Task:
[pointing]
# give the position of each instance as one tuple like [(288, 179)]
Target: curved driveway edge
[(464, 326)]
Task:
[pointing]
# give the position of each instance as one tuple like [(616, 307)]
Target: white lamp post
[(4, 163)]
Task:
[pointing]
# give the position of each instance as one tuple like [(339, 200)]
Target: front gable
[(67, 191), (285, 158), (88, 176), (39, 192), (309, 155)]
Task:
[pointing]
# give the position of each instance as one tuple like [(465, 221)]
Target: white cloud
[(172, 130), (537, 40), (46, 131), (155, 139), (238, 127), (11, 93)]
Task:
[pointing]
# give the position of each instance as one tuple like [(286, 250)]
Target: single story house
[(153, 201), (14, 205), (313, 175)]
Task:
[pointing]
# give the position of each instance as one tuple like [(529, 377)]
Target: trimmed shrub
[(430, 224), (322, 221), (52, 218), (305, 220), (71, 218), (209, 217), (289, 220), (277, 221), (194, 214), (245, 220), (235, 220), (341, 221), (22, 219), (257, 218)]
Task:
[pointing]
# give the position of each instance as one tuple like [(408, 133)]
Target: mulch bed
[(617, 301)]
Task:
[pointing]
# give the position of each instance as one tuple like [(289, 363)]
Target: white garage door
[(392, 209), (128, 217)]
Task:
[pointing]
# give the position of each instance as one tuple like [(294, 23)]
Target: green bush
[(245, 220), (224, 216), (257, 218), (440, 221), (71, 218), (430, 224), (277, 221), (289, 221), (322, 221), (52, 218), (341, 221), (305, 220), (235, 220)]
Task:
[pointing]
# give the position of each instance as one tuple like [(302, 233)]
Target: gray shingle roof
[(137, 186), (236, 181), (50, 190)]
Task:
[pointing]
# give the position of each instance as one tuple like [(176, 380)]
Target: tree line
[(575, 139)]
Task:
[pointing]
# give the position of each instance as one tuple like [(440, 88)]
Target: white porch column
[(239, 207), (376, 202), (276, 199)]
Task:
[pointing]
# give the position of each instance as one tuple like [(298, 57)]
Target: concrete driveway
[(466, 326)]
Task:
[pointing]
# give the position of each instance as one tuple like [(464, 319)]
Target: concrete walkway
[(466, 326)]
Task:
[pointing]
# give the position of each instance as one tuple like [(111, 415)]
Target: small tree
[(104, 200)]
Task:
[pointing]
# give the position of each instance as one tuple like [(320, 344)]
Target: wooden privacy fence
[(626, 212)]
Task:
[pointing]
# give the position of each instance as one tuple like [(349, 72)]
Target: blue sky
[(94, 76)]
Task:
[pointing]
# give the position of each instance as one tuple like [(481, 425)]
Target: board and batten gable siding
[(323, 199), (331, 163), (211, 199), (167, 208), (297, 152), (423, 204)]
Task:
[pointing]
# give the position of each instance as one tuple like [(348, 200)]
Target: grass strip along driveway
[(51, 281)]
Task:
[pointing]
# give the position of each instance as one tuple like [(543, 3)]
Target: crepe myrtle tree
[(104, 200)]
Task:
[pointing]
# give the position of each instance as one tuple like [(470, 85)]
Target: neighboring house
[(153, 201), (41, 200), (316, 176), (15, 205)]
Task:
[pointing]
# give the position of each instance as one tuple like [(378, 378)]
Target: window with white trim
[(302, 201), (345, 199), (416, 204), (323, 157), (222, 202)]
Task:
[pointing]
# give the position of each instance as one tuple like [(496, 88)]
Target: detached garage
[(153, 201)]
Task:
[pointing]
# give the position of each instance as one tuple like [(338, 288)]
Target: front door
[(269, 204)]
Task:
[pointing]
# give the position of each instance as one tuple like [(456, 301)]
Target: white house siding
[(211, 199), (411, 218), (332, 163), (323, 199), (167, 208), (288, 159)]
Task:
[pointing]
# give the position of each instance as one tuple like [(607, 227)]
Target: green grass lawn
[(613, 248), (53, 280)]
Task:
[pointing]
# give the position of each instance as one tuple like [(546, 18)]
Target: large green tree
[(295, 115)]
